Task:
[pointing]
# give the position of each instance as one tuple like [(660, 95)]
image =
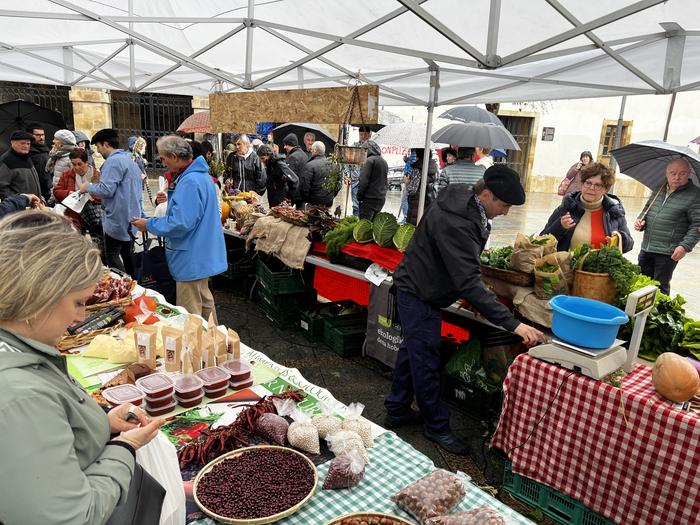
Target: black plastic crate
[(285, 318), (469, 398), (276, 279), (279, 302)]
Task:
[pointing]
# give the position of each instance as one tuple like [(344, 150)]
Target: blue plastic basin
[(585, 322)]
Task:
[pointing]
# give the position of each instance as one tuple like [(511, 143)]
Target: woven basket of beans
[(228, 489), (370, 518)]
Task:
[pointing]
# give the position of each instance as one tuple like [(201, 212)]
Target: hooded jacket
[(82, 137), (613, 220), (281, 184), (246, 172), (59, 162), (59, 467), (39, 153), (413, 187), (297, 159), (195, 247), (373, 183), (313, 176), (17, 175), (442, 264)]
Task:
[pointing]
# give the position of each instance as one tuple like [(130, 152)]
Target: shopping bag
[(152, 268), (383, 337), (143, 503), (159, 459), (92, 216), (563, 186)]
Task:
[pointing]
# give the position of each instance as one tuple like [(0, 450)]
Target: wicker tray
[(68, 342), (369, 515), (121, 303), (509, 276), (256, 521)]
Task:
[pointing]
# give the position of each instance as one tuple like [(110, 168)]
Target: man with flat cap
[(17, 172), (441, 266), (119, 188)]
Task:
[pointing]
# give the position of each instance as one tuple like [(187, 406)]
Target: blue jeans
[(417, 369), (353, 193)]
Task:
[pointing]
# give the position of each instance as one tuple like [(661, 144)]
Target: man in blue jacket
[(194, 247), (120, 189)]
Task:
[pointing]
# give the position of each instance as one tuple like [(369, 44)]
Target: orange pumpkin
[(225, 211), (675, 378)]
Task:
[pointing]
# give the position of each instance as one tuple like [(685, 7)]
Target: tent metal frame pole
[(669, 115), (434, 89), (249, 31), (583, 28), (492, 37), (29, 72), (132, 57), (56, 45), (86, 57), (101, 63), (618, 130)]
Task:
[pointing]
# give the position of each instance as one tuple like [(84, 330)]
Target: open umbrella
[(405, 134), (199, 122), (696, 140), (646, 161), (299, 129), (476, 134), (471, 114), (18, 113)]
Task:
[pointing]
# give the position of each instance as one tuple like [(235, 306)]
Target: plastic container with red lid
[(153, 411), (188, 386), (238, 368), (156, 385), (213, 377), (240, 385), (122, 394), (213, 393), (190, 401), (158, 402)]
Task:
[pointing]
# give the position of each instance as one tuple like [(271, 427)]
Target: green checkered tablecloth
[(393, 465)]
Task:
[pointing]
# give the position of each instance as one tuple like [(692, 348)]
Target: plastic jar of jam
[(159, 402), (188, 386), (122, 394), (190, 402), (156, 385), (238, 368), (152, 411), (240, 385), (213, 377), (214, 393)]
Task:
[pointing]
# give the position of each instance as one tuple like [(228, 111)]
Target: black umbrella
[(18, 113), (646, 161), (471, 114), (299, 129)]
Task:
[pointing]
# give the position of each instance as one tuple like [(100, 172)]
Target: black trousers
[(659, 267), (368, 209), (118, 254)]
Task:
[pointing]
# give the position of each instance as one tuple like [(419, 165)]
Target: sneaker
[(449, 442), (411, 417)]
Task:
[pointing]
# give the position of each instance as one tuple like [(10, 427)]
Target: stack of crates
[(554, 504), (240, 272), (282, 291), (345, 333)]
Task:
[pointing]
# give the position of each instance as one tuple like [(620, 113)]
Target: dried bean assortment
[(344, 441), (304, 436), (326, 424), (256, 484), (480, 516), (272, 428), (431, 496), (362, 427), (345, 471), (370, 519)]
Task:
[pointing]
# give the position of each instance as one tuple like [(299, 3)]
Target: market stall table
[(626, 453)]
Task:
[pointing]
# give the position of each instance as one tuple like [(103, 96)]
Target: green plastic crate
[(346, 341), (276, 279), (470, 399), (285, 318), (554, 504), (312, 320), (279, 302), (241, 264)]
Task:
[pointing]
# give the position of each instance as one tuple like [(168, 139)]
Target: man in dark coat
[(17, 173), (441, 266), (39, 153), (373, 185), (313, 178), (296, 158), (282, 182), (244, 168)]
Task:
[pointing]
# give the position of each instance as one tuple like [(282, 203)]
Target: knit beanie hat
[(65, 136)]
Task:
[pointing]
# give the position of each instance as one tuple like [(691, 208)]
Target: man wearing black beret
[(17, 172), (441, 266)]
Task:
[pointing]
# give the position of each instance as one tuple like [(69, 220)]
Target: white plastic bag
[(159, 459), (355, 422)]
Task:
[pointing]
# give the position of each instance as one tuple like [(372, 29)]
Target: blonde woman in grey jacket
[(58, 463)]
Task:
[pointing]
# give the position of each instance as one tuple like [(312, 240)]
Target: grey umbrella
[(646, 161), (471, 114), (476, 134), (406, 134)]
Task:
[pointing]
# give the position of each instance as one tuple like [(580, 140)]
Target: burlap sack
[(549, 283), (525, 254)]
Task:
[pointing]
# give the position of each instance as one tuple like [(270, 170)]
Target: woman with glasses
[(590, 216)]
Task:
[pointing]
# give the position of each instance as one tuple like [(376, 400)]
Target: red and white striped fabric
[(626, 453)]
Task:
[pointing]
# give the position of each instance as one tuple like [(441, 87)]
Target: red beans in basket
[(256, 484)]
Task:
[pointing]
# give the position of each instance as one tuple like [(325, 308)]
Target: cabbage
[(363, 231), (403, 236), (384, 227)]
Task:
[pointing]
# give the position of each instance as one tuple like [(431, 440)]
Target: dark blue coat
[(613, 220)]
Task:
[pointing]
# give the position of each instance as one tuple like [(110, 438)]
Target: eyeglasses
[(593, 185)]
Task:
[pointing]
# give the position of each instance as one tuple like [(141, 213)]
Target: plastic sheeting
[(187, 47)]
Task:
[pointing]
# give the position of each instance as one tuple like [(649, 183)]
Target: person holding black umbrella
[(441, 266), (39, 153), (670, 221)]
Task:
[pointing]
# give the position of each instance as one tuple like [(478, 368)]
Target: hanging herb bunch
[(334, 181)]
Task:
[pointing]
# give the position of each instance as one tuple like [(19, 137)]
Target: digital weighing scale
[(598, 363)]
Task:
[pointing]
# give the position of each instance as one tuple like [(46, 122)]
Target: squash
[(675, 378), (225, 211)]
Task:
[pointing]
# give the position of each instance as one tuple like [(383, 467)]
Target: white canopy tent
[(420, 52)]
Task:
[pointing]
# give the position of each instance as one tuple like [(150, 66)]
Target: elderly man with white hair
[(244, 168), (670, 221), (312, 180)]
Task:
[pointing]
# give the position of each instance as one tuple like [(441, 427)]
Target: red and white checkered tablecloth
[(626, 453)]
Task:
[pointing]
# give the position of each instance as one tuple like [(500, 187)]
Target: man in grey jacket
[(670, 222)]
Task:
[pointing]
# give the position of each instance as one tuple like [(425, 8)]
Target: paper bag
[(549, 277)]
